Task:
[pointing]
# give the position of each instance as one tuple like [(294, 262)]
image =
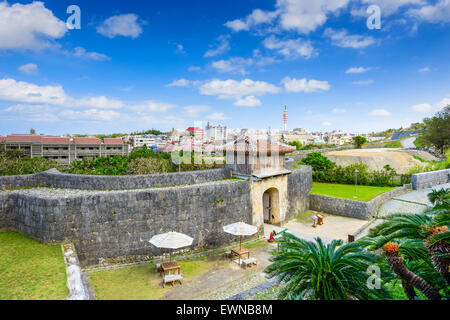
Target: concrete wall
[(117, 225), (429, 179), (352, 208), (55, 179)]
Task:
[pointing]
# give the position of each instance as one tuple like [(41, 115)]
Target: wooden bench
[(227, 254), (172, 278), (249, 262)]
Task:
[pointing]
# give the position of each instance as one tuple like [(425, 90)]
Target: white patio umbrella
[(171, 240), (240, 229)]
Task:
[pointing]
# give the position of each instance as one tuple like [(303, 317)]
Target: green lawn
[(30, 270), (347, 191), (143, 282)]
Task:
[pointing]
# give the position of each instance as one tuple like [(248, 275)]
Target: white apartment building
[(140, 141), (215, 132)]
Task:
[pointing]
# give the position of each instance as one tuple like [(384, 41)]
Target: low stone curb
[(77, 283)]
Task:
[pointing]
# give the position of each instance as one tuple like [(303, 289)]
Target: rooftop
[(256, 145)]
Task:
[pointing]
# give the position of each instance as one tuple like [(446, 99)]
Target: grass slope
[(30, 270), (346, 191)]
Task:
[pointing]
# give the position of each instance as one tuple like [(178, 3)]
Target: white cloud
[(234, 65), (344, 40), (443, 103), (21, 91), (179, 83), (326, 124), (291, 15), (363, 82), (38, 113), (433, 13), (422, 108), (388, 7), (91, 115), (425, 69), (379, 112), (126, 25), (290, 48), (29, 68), (152, 106), (28, 26), (248, 101), (194, 111), (304, 85), (80, 52), (233, 89), (238, 90), (337, 110), (194, 68), (357, 70), (97, 102), (222, 47), (217, 116)]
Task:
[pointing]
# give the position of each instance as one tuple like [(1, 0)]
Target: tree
[(358, 141), (395, 261), (431, 229), (318, 161), (297, 144), (323, 272), (437, 130)]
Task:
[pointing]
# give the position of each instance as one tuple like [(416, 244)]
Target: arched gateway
[(262, 161)]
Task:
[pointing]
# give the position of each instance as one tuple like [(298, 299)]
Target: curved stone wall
[(117, 225)]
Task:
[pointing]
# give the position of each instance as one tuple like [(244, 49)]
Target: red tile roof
[(247, 144), (55, 140), (113, 140), (23, 137), (2, 139), (194, 129), (89, 140)]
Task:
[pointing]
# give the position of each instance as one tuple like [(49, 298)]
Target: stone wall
[(352, 208), (54, 179), (117, 225), (429, 179), (299, 188)]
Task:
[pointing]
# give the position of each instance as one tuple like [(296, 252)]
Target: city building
[(216, 132), (63, 149)]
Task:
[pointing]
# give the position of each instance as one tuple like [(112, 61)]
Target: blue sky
[(136, 65)]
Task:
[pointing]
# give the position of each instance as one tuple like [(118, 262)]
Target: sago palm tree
[(419, 227), (317, 271), (395, 261)]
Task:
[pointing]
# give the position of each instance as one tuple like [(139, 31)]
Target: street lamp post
[(356, 181)]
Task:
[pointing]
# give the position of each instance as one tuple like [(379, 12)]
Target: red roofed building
[(63, 149), (196, 132)]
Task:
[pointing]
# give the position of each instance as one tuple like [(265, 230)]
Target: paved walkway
[(408, 142)]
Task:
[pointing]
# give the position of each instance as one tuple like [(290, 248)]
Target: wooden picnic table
[(167, 267), (240, 252)]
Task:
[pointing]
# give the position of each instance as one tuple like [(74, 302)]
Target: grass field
[(143, 282), (30, 270), (346, 191)]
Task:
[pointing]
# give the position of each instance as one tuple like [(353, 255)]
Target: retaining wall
[(54, 179), (352, 208), (429, 179)]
